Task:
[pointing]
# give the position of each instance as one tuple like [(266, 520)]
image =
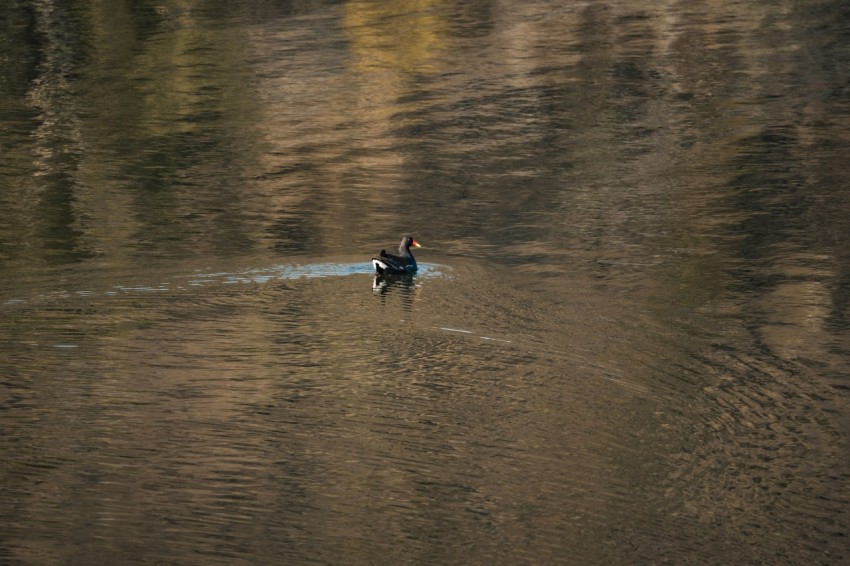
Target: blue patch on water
[(308, 271)]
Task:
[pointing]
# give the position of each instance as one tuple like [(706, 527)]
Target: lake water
[(628, 341)]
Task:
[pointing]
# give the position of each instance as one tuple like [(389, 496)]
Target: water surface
[(627, 342)]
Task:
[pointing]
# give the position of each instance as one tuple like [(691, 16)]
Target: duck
[(402, 264)]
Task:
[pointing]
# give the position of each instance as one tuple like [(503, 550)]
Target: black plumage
[(401, 264)]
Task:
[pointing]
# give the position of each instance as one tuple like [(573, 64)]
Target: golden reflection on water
[(396, 40)]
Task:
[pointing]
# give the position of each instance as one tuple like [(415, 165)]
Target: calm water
[(629, 341)]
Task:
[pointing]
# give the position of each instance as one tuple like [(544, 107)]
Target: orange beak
[(415, 244)]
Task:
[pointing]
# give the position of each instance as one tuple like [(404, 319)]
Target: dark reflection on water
[(403, 286), (627, 342)]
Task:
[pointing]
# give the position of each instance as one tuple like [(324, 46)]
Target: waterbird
[(401, 264)]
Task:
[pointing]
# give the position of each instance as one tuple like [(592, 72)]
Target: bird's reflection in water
[(403, 286)]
